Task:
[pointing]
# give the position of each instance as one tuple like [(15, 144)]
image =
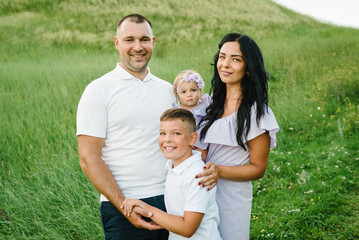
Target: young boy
[(192, 211)]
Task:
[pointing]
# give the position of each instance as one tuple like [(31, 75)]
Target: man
[(117, 128)]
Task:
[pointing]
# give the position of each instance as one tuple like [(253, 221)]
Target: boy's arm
[(185, 226)]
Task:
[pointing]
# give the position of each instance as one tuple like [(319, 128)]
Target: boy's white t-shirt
[(182, 193)]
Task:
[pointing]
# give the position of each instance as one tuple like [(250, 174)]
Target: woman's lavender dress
[(234, 199)]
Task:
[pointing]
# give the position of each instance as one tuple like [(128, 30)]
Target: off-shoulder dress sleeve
[(223, 131)]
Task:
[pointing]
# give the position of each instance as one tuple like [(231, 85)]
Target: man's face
[(135, 42)]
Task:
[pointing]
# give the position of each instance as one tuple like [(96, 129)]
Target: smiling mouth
[(226, 73), (169, 148), (137, 55)]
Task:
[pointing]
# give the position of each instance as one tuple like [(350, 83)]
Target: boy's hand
[(136, 219), (134, 209), (128, 204), (210, 176)]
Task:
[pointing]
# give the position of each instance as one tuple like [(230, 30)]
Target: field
[(51, 49)]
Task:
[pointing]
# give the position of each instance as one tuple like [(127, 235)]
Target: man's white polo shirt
[(126, 111), (182, 193)]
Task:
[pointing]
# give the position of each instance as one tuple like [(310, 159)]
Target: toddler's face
[(189, 94), (175, 140)]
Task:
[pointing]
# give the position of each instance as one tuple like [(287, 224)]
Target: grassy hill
[(51, 49)]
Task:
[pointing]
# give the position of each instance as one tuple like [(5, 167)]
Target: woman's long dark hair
[(253, 85)]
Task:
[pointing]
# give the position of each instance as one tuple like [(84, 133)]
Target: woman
[(239, 130)]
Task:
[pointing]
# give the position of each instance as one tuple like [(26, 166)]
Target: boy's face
[(175, 140)]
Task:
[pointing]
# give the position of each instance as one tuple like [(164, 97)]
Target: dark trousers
[(117, 227)]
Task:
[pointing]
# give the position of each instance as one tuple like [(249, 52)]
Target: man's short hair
[(182, 114), (134, 17)]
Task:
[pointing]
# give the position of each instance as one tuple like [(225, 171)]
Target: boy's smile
[(175, 140)]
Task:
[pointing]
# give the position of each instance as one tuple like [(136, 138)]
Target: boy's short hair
[(182, 114)]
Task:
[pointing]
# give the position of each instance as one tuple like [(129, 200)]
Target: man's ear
[(115, 39), (153, 41)]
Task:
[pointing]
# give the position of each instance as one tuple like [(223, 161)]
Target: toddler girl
[(188, 87)]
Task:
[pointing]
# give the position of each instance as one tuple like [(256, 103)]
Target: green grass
[(50, 50)]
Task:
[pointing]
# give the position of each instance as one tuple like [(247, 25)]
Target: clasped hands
[(134, 209), (136, 214)]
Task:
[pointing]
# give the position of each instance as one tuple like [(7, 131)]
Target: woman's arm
[(258, 151)]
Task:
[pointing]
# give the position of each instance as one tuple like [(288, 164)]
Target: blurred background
[(51, 49)]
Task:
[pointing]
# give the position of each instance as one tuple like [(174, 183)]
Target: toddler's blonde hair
[(179, 77)]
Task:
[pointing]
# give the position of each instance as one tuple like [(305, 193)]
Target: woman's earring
[(248, 74)]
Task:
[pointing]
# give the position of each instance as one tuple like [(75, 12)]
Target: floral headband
[(195, 77)]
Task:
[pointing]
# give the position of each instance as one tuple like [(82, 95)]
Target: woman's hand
[(210, 176)]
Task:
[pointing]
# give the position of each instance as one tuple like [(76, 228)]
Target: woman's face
[(231, 65)]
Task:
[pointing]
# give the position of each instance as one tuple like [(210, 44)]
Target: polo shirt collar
[(126, 75), (185, 164)]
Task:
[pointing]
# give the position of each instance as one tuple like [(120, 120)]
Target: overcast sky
[(340, 12)]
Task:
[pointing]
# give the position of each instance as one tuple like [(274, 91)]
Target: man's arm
[(90, 152)]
